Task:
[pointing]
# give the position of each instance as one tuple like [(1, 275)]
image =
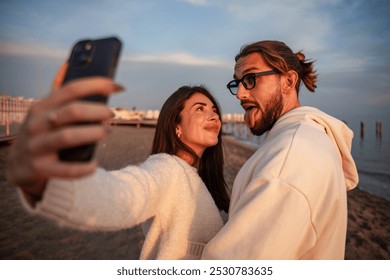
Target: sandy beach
[(26, 237)]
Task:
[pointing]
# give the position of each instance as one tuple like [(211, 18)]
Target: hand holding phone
[(90, 58)]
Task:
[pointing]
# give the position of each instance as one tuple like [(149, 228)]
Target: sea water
[(370, 152)]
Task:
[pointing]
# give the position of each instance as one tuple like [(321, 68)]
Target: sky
[(172, 43)]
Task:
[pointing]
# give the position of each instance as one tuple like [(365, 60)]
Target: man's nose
[(242, 92)]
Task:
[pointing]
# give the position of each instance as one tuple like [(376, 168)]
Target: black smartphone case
[(90, 58)]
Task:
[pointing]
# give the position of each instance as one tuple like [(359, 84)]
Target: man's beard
[(270, 115)]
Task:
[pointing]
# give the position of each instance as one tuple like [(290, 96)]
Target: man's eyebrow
[(246, 71)]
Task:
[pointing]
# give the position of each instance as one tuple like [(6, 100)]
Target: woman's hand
[(33, 157)]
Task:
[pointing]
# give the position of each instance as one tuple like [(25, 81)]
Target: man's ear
[(290, 80)]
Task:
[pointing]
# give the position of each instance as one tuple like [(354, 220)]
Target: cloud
[(196, 2), (178, 58), (342, 62), (18, 49), (302, 22)]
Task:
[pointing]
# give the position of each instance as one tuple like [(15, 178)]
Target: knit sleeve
[(110, 200)]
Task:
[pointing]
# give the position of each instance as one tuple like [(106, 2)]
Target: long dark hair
[(212, 160)]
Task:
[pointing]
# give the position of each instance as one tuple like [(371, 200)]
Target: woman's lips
[(212, 127)]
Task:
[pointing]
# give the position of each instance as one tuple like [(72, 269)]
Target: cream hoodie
[(289, 199)]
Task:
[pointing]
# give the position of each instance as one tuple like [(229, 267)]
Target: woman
[(182, 213)]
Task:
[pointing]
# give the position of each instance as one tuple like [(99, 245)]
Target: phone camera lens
[(88, 46), (84, 59)]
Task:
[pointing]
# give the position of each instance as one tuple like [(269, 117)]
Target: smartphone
[(90, 58)]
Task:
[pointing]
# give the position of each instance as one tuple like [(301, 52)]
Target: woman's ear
[(178, 132), (290, 80)]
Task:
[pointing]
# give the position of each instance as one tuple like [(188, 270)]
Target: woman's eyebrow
[(203, 104), (199, 103)]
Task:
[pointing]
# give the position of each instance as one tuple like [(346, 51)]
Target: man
[(289, 199)]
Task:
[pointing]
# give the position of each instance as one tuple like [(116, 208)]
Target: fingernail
[(118, 87)]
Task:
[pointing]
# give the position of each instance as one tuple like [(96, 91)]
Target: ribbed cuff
[(57, 200), (195, 249)]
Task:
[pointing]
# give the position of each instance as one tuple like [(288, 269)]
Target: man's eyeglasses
[(248, 81)]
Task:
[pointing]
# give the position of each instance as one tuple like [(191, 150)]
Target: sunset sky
[(175, 42)]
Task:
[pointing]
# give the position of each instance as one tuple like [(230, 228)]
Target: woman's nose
[(213, 116)]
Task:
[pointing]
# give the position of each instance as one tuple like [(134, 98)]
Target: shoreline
[(27, 237), (374, 182)]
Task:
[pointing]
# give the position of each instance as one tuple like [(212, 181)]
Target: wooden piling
[(378, 130)]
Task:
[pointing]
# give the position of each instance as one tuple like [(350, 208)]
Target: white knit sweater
[(164, 188)]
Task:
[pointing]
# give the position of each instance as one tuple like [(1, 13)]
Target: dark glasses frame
[(233, 84)]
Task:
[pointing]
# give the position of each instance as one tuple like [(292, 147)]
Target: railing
[(13, 110)]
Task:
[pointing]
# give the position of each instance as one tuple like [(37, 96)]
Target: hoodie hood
[(340, 134)]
